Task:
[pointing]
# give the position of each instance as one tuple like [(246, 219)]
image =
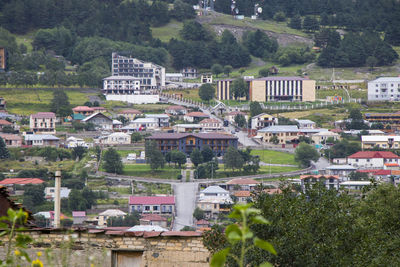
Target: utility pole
[(57, 199)]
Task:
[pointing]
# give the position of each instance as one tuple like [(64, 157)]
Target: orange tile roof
[(197, 114), (243, 181), (5, 122), (319, 176), (242, 194), (21, 181), (82, 108), (391, 165)]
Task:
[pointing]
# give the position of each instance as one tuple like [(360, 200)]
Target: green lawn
[(167, 32), (275, 157), (152, 188), (124, 153), (143, 170), (7, 165), (322, 94), (28, 101), (26, 40), (121, 190)]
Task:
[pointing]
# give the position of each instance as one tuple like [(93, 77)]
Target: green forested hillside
[(85, 33)]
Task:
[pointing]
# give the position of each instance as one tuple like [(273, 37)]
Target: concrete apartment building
[(133, 80), (272, 89), (189, 73), (382, 141), (152, 204), (43, 123), (330, 181), (384, 89), (187, 142), (150, 75), (392, 119)]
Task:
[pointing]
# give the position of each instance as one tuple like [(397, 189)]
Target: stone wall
[(108, 247)]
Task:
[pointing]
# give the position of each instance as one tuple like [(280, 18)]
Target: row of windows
[(386, 96), (384, 90), (43, 120), (127, 61), (384, 85)]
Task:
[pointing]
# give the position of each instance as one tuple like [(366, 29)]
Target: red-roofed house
[(372, 159), (11, 183), (84, 110), (4, 123), (330, 181), (195, 116), (202, 223), (153, 219), (211, 125), (176, 110), (242, 196), (152, 204), (21, 181), (43, 123)]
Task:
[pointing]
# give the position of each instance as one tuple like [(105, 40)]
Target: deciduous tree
[(112, 161)]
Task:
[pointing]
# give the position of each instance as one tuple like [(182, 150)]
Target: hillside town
[(220, 147)]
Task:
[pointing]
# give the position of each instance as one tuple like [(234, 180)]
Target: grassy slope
[(28, 101), (268, 25), (166, 32), (26, 39)]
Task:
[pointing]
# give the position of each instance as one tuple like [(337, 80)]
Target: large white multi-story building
[(133, 80), (384, 88), (150, 75)]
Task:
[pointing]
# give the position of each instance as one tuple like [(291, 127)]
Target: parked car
[(131, 156)]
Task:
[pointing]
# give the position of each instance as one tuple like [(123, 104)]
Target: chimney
[(57, 200)]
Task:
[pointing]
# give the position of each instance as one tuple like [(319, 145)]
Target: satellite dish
[(237, 11), (259, 10)]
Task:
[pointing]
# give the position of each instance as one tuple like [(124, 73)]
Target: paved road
[(322, 163), (185, 198)]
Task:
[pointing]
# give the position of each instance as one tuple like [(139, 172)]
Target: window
[(155, 208), (146, 207)]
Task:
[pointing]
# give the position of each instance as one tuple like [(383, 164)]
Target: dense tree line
[(115, 19), (354, 15), (201, 49), (354, 50), (323, 228)]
